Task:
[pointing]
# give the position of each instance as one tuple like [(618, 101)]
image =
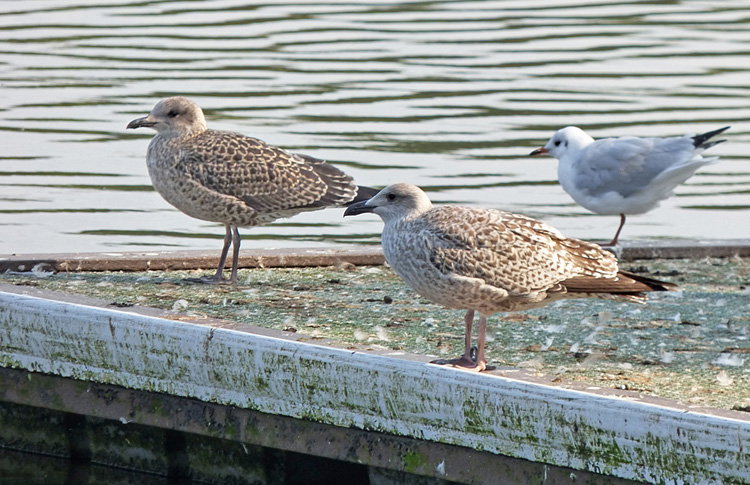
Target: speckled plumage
[(227, 177), (492, 261)]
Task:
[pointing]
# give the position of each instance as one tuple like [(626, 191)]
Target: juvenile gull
[(227, 177), (488, 261), (627, 175)]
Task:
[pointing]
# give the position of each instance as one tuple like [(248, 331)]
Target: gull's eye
[(557, 143), (173, 113), (391, 196)]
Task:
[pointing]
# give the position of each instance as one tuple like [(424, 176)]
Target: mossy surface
[(692, 346)]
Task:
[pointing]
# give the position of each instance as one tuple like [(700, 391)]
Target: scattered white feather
[(724, 378), (588, 321), (359, 335), (591, 359), (382, 334), (180, 305), (732, 360), (604, 317), (535, 363), (574, 348), (591, 338), (560, 370), (547, 344), (440, 468), (39, 272), (667, 357)]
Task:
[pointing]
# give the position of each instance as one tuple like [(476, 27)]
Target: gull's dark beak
[(358, 208), (141, 123), (539, 151)]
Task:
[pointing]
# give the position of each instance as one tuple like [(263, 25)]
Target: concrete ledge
[(177, 260), (138, 418), (683, 248), (297, 257), (386, 394)]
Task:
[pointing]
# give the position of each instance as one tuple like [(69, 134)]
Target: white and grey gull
[(487, 261), (627, 175), (234, 179)]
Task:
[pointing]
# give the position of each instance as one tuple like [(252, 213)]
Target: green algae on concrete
[(692, 346), (429, 402)]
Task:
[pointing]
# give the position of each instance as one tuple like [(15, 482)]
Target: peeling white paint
[(542, 423)]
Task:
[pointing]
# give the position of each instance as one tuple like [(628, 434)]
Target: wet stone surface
[(692, 346)]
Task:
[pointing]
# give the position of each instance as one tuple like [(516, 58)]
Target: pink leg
[(617, 234), (481, 330), (235, 254), (465, 362), (218, 277), (468, 322)]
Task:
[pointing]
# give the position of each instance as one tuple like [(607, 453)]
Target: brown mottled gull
[(489, 261), (230, 178)]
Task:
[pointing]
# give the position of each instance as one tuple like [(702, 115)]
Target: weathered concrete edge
[(513, 373), (186, 260), (565, 428), (369, 448), (337, 255)]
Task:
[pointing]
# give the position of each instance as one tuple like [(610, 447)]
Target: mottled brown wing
[(597, 269), (266, 178), (513, 252), (589, 259), (623, 283)]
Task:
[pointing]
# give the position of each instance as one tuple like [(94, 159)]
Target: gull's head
[(565, 141), (175, 116), (394, 203)]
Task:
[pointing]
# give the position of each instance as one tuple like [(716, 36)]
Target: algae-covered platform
[(684, 352)]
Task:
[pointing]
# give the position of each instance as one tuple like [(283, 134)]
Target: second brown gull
[(234, 179), (487, 261)]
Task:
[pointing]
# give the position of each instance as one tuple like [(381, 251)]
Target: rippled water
[(451, 95)]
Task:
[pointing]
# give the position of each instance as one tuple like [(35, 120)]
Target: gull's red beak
[(539, 151)]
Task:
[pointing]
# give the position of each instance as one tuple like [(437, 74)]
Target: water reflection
[(451, 95)]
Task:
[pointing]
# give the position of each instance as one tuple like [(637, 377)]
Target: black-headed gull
[(488, 261), (230, 178), (627, 175)]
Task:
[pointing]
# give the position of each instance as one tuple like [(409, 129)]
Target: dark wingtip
[(364, 193), (699, 141), (650, 284)]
